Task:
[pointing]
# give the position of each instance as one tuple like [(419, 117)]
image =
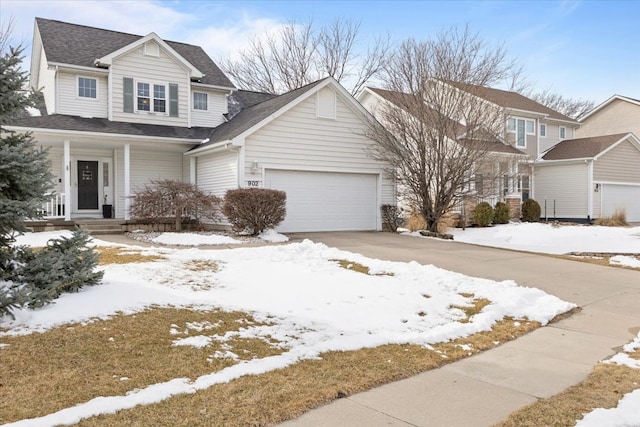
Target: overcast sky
[(582, 49)]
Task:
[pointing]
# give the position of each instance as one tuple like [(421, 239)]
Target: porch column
[(127, 181), (67, 181), (192, 170)]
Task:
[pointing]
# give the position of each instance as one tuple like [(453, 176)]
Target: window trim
[(543, 134), (86, 98), (206, 101), (151, 97), (560, 132), (515, 120)]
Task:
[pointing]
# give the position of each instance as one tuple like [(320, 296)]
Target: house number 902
[(253, 183)]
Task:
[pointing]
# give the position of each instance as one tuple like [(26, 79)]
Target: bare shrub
[(390, 217), (167, 198), (618, 219), (416, 222), (253, 210)]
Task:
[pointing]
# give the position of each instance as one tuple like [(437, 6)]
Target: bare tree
[(574, 108), (436, 129), (300, 54)]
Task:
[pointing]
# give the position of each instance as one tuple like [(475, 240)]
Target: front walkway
[(484, 389)]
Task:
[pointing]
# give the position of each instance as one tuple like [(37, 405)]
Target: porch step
[(101, 226)]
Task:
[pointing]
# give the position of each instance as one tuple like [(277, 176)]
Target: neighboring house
[(530, 129), (588, 178), (124, 109), (618, 114)]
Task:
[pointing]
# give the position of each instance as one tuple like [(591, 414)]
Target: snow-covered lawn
[(312, 304)]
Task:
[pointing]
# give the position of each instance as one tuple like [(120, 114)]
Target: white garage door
[(321, 201), (625, 197)]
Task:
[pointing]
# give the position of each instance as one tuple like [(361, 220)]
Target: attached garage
[(625, 197), (325, 201)]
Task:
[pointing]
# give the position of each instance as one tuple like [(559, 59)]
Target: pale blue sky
[(583, 49)]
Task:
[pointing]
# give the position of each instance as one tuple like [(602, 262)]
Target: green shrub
[(501, 214), (483, 214), (253, 210), (530, 211)]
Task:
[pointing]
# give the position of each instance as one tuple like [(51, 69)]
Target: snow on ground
[(625, 261), (547, 238), (627, 413), (193, 239), (311, 303)]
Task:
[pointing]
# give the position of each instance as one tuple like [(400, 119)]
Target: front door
[(87, 184)]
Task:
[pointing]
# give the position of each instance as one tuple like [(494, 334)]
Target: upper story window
[(543, 130), (563, 132), (200, 101), (151, 97), (87, 87), (522, 128)]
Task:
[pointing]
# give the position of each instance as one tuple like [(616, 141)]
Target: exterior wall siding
[(298, 140), (621, 164), (217, 106), (47, 83), (566, 184), (70, 103), (218, 172), (617, 117), (163, 69)]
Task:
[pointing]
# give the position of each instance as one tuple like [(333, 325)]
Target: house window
[(505, 184), (543, 130), (200, 101), (146, 97), (523, 186), (522, 128), (563, 132), (479, 184), (87, 88)]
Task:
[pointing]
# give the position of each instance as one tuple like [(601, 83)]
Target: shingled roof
[(74, 44), (253, 115), (582, 148), (100, 125), (511, 100)]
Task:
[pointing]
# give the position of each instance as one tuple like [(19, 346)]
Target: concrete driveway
[(484, 389)]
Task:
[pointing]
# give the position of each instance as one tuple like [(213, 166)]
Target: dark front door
[(87, 184)]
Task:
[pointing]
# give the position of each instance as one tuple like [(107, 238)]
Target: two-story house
[(124, 109), (529, 130)]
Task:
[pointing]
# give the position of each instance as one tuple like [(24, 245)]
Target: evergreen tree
[(29, 278)]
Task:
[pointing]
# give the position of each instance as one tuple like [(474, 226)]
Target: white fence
[(54, 206)]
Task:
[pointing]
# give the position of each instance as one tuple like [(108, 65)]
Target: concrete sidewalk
[(484, 389)]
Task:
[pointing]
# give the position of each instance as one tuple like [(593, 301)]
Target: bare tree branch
[(574, 108)]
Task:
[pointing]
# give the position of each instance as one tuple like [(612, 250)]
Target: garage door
[(625, 197), (320, 201)]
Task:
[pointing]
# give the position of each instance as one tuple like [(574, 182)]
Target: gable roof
[(583, 148), (609, 101), (511, 100), (241, 99), (488, 142), (251, 116), (74, 44), (61, 122)]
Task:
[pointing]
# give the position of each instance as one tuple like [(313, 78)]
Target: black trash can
[(107, 211)]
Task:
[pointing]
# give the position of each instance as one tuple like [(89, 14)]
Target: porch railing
[(53, 207)]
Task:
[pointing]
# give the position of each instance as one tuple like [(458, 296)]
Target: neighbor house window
[(522, 128), (543, 130), (523, 186), (200, 101), (479, 184), (149, 95), (87, 88), (563, 132)]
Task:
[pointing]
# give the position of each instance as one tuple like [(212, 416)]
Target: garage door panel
[(625, 197), (321, 201)]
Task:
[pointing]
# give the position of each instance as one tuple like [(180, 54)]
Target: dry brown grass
[(287, 393), (115, 255), (355, 266), (618, 219), (416, 222), (604, 387), (62, 367), (476, 305)]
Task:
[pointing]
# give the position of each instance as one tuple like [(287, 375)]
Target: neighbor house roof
[(488, 142), (73, 44), (511, 100), (99, 125), (609, 101), (251, 116), (582, 148)]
